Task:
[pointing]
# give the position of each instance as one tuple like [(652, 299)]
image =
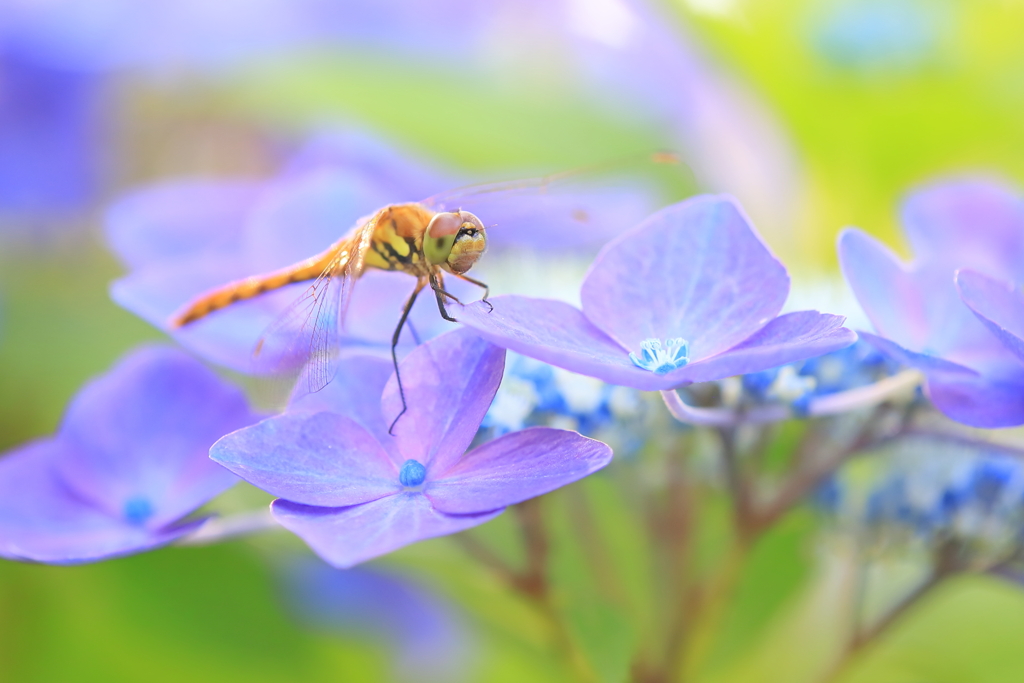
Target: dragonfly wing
[(308, 335), (581, 208)]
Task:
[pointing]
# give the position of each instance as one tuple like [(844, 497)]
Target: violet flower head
[(689, 295), (353, 492), (426, 638), (129, 461), (973, 375)]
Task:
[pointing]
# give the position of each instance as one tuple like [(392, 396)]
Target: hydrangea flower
[(689, 295), (353, 492), (931, 490), (129, 461), (917, 311)]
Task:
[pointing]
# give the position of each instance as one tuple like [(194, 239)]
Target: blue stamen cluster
[(412, 474), (662, 359), (137, 510)]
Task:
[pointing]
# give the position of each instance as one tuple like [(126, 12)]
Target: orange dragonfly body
[(408, 238)]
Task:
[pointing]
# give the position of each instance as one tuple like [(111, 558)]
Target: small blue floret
[(413, 473), (661, 360), (137, 510)]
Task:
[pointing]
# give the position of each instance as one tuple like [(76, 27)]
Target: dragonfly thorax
[(455, 240)]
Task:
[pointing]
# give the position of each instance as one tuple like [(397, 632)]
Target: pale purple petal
[(360, 380), (561, 335), (402, 174), (968, 224), (885, 289), (922, 361), (302, 215), (695, 270), (347, 536), (449, 384), (516, 467), (319, 459), (978, 401), (42, 520), (789, 338), (999, 305), (143, 431), (172, 220)]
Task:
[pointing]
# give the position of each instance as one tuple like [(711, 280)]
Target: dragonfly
[(427, 240)]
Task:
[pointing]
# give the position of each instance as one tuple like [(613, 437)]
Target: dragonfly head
[(455, 239)]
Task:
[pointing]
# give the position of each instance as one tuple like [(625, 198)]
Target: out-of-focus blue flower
[(353, 491), (534, 394), (130, 460), (915, 308), (51, 139), (694, 275), (797, 384), (935, 490), (878, 36), (427, 640), (58, 60)]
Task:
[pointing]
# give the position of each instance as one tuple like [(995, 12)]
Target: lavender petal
[(347, 536), (143, 431), (449, 384), (998, 305), (516, 467), (320, 459), (42, 521), (789, 338), (694, 270)]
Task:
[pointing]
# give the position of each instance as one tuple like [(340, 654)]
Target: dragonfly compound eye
[(440, 237), (469, 246)]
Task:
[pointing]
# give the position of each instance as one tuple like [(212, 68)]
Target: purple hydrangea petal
[(402, 174), (978, 401), (172, 220), (449, 384), (516, 467), (42, 520), (141, 435), (319, 459), (347, 536), (695, 270), (559, 334), (789, 338), (360, 379), (922, 361), (885, 289), (999, 305), (326, 202), (968, 224)]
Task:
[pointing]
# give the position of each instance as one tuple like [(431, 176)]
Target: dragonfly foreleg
[(440, 294), (394, 352), (483, 285)]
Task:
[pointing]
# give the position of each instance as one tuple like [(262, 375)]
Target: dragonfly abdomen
[(251, 287)]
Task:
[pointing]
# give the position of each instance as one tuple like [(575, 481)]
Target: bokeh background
[(817, 114)]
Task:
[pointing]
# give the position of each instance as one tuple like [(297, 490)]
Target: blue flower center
[(662, 359), (137, 510), (413, 473)]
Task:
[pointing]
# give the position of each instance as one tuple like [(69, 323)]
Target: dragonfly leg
[(440, 294), (394, 353), (487, 290)]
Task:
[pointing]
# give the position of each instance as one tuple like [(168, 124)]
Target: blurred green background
[(866, 120)]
